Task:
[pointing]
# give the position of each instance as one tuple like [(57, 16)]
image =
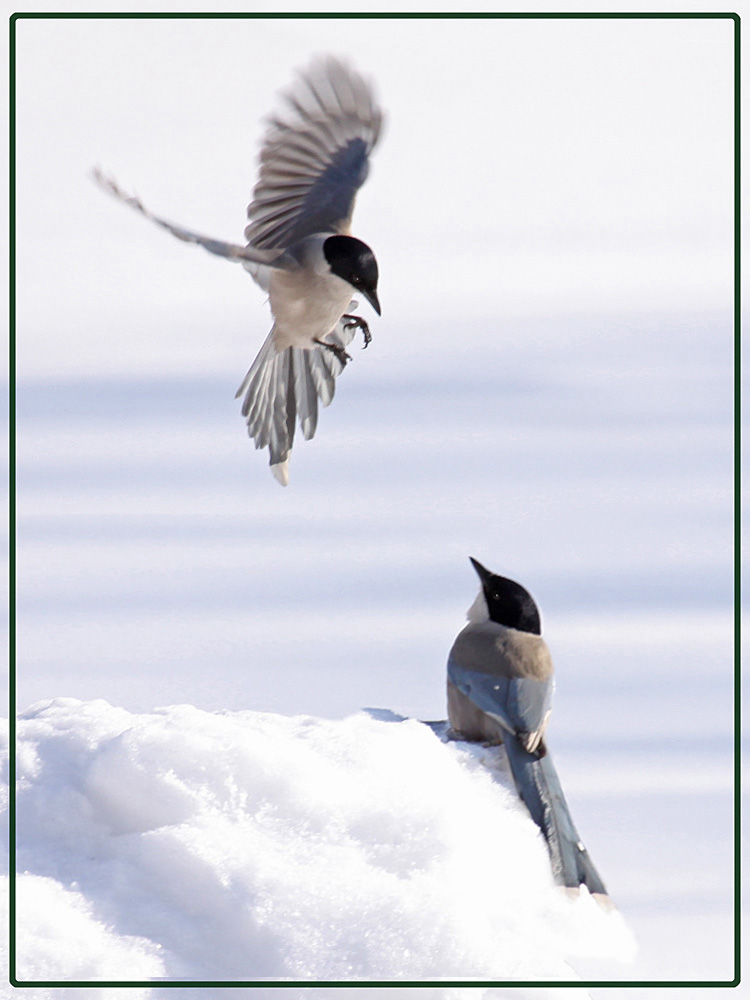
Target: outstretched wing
[(314, 159), (255, 261)]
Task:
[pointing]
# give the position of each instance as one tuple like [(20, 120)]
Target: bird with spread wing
[(314, 158)]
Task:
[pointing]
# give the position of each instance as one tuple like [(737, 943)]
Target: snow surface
[(244, 845), (550, 392)]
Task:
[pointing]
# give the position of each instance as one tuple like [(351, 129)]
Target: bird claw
[(337, 350), (354, 322)]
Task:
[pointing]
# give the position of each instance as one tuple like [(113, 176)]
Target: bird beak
[(483, 573), (372, 298)]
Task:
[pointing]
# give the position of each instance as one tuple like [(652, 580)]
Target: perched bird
[(500, 690), (313, 160)]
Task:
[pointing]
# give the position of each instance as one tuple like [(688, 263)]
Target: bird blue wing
[(330, 201), (315, 159), (519, 704)]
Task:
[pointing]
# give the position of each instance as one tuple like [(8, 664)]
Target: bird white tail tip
[(281, 472)]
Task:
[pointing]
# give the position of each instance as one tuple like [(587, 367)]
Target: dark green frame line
[(11, 505), (397, 984), (366, 984), (737, 497), (380, 15)]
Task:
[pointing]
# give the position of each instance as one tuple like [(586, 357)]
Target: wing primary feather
[(252, 257), (308, 163)]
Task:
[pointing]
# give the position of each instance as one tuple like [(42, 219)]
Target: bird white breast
[(307, 305), (478, 612)]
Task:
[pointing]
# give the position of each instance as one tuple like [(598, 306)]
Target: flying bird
[(313, 160), (500, 691)]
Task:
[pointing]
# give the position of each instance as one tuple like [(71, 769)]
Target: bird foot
[(354, 322), (340, 353)]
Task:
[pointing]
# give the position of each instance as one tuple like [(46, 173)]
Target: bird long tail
[(282, 388), (539, 786)]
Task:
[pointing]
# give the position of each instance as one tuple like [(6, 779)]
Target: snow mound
[(241, 846)]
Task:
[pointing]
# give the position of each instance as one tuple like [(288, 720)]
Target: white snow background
[(549, 390)]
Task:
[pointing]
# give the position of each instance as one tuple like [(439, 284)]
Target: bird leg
[(340, 353), (353, 322)]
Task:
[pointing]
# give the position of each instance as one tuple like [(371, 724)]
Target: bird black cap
[(354, 261), (508, 603)]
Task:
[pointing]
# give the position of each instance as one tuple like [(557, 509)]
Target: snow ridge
[(241, 845)]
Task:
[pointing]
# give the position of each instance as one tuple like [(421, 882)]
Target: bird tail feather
[(539, 786), (282, 388)]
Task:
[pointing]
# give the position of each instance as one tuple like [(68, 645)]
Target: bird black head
[(354, 261), (508, 603)]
